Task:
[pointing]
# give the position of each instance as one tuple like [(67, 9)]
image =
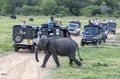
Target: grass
[(98, 63)]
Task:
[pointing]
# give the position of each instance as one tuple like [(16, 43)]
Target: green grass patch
[(98, 63), (118, 37)]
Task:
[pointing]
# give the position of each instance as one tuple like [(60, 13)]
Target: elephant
[(58, 46)]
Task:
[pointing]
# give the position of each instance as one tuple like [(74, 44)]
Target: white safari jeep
[(25, 37)]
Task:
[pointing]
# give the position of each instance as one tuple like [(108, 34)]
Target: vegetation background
[(61, 7)]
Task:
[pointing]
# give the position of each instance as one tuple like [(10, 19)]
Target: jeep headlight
[(83, 37), (95, 37)]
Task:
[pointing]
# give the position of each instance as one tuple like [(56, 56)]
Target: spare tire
[(18, 38), (44, 36)]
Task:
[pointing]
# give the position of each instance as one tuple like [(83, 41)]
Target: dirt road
[(22, 65)]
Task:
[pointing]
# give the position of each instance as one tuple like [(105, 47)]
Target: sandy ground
[(22, 65)]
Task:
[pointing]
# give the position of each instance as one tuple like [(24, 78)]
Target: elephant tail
[(79, 53), (36, 53)]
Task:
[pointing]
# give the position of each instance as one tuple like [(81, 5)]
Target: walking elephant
[(58, 46)]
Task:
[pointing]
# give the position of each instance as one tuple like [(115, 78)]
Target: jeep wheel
[(44, 36), (18, 38), (32, 48), (100, 41), (104, 40), (114, 32), (16, 48), (82, 44), (97, 43), (76, 34), (79, 33)]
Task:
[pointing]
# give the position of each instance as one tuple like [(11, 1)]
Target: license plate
[(28, 41)]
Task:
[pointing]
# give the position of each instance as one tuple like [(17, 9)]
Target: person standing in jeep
[(51, 23), (24, 23)]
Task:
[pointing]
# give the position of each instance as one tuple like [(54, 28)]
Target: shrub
[(30, 10), (90, 10), (48, 7)]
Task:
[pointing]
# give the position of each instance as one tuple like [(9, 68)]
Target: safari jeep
[(25, 37), (91, 35), (104, 30), (74, 28), (56, 31), (111, 27)]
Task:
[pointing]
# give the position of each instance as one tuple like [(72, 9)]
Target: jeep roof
[(92, 25), (75, 22), (46, 25)]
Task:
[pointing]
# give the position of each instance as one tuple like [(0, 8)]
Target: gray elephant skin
[(58, 46)]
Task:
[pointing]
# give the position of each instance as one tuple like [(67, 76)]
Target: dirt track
[(22, 65)]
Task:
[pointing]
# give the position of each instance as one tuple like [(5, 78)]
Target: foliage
[(62, 11), (30, 10), (90, 11), (50, 7)]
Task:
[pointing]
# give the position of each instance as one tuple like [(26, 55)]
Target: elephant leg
[(71, 62), (47, 55), (55, 57), (72, 57), (77, 62)]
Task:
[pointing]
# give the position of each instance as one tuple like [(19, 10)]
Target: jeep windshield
[(91, 31), (73, 25), (112, 25)]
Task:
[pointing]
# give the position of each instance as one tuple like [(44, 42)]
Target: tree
[(30, 10), (48, 7), (90, 10), (62, 11), (8, 7)]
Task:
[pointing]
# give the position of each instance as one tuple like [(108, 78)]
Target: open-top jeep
[(74, 28), (25, 36), (104, 30), (111, 27), (91, 35), (56, 31)]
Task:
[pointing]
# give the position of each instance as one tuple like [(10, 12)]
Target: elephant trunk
[(36, 53)]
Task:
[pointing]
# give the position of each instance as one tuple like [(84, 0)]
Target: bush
[(90, 11), (48, 7), (30, 10), (62, 11)]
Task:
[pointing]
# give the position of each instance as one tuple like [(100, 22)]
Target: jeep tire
[(44, 36), (16, 48), (104, 40), (18, 38), (100, 41), (114, 32), (32, 48), (82, 43)]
